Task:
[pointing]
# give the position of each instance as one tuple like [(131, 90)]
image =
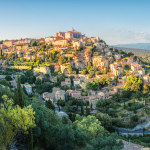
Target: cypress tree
[(0, 52), (107, 68), (91, 105), (30, 144), (82, 110), (116, 79), (19, 97), (87, 111), (24, 90), (28, 140), (77, 103)]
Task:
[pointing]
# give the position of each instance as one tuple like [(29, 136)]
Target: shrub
[(8, 78)]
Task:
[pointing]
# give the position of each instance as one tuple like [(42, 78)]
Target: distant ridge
[(137, 52), (134, 45)]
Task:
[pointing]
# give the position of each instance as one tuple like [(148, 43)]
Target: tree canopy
[(13, 119), (133, 83), (93, 85), (89, 125), (105, 119)]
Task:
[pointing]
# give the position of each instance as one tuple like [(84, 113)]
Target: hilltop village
[(80, 76)]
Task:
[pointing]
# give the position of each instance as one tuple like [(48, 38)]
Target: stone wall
[(20, 67)]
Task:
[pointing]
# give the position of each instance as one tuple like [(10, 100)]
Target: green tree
[(68, 44), (93, 85), (19, 97), (65, 120), (103, 143), (82, 110), (61, 60), (33, 43), (13, 119), (103, 80), (24, 90), (23, 79), (109, 81), (0, 52), (105, 119), (134, 83), (116, 79), (8, 78), (116, 97), (65, 138), (43, 46), (28, 139), (83, 72), (50, 105), (4, 63), (107, 67), (38, 82), (89, 125), (44, 119), (69, 68), (60, 102), (87, 111), (91, 105)]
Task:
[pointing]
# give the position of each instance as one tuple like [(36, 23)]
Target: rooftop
[(60, 92)]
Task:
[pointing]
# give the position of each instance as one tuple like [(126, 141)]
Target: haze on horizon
[(116, 22)]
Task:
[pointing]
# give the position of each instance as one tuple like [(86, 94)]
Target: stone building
[(72, 34)]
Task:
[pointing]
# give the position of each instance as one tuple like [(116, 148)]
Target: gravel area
[(131, 146)]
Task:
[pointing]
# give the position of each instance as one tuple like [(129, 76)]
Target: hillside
[(137, 52), (136, 46)]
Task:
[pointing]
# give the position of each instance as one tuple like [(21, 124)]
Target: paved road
[(136, 131), (61, 113)]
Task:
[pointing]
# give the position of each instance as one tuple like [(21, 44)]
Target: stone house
[(76, 82), (116, 68), (78, 44), (61, 42), (55, 89), (95, 39), (99, 46), (128, 60), (49, 96), (117, 57), (91, 93), (85, 98), (60, 95), (136, 66), (72, 34), (66, 82), (76, 94), (9, 43), (111, 75), (49, 39)]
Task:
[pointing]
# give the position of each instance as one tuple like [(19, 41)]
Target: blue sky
[(115, 21)]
